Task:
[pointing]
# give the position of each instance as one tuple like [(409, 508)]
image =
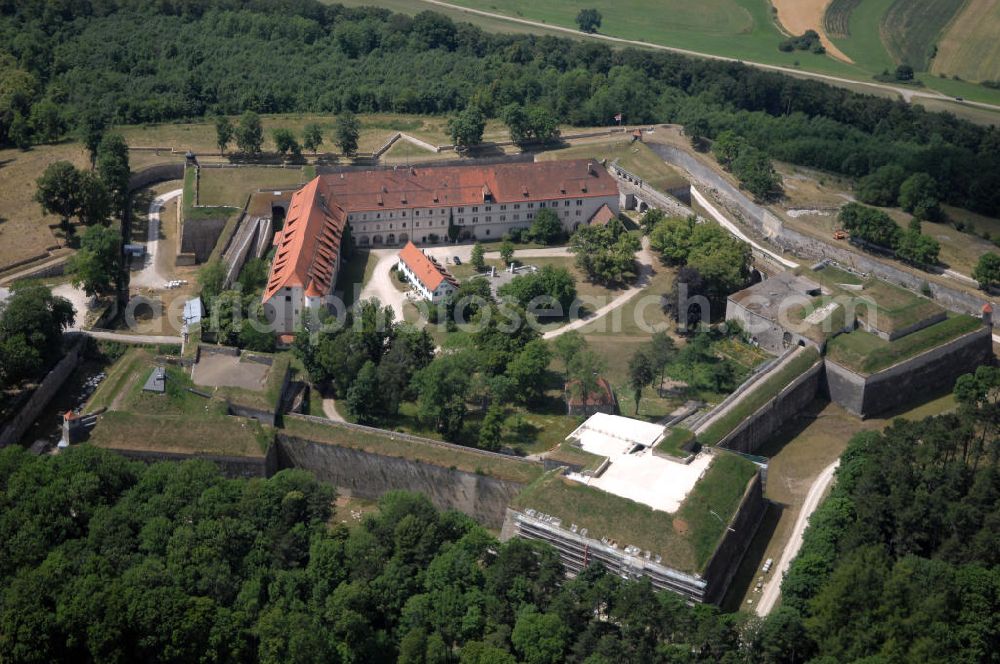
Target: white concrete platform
[(641, 475), (649, 479)]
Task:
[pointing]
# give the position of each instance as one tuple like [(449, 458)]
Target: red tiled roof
[(602, 216), (308, 244), (427, 270), (445, 186)]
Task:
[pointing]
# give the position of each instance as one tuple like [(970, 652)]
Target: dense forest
[(902, 561), (102, 559), (77, 62)]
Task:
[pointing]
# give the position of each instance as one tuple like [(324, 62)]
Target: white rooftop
[(641, 476), (616, 430)]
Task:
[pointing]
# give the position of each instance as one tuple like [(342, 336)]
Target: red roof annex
[(428, 271)]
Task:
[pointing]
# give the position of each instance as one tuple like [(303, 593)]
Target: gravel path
[(330, 410), (150, 276), (772, 589), (380, 285), (645, 258)]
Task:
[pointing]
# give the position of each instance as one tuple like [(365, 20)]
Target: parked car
[(456, 260)]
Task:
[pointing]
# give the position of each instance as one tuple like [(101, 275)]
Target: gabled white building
[(426, 275)]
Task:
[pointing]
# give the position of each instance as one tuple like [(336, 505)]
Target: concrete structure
[(923, 374), (194, 311), (426, 205), (772, 314), (157, 381), (425, 274), (763, 311), (578, 549), (632, 470)]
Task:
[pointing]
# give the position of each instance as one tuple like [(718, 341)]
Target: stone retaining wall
[(896, 386), (369, 475), (26, 414), (232, 467), (728, 555), (759, 427)]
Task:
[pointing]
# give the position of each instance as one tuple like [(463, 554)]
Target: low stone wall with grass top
[(749, 421), (369, 463)]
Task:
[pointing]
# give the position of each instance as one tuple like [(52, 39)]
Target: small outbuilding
[(601, 401), (157, 381)]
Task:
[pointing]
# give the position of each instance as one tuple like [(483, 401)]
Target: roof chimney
[(413, 171), (590, 168)]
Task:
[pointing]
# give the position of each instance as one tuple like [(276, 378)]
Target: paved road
[(732, 228), (905, 92), (772, 589), (150, 276)]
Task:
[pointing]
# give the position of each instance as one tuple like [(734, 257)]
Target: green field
[(739, 29), (231, 186), (837, 18), (178, 421), (864, 43)]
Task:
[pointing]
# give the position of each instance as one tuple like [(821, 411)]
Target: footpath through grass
[(758, 395)]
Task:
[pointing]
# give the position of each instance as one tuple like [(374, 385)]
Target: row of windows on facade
[(475, 208), (461, 221)]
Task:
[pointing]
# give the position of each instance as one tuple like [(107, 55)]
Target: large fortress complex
[(425, 205)]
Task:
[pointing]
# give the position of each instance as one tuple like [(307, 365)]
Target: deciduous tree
[(346, 133), (96, 265)]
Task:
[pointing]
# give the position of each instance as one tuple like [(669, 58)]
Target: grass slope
[(758, 396)]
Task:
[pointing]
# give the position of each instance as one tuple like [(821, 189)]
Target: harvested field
[(910, 29), (969, 46), (837, 17), (797, 16)]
